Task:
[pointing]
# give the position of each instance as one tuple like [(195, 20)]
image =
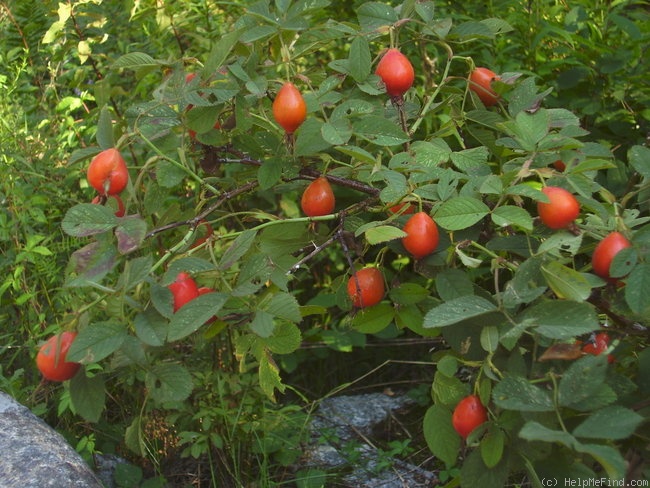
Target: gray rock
[(105, 466), (341, 431), (352, 415), (36, 456)]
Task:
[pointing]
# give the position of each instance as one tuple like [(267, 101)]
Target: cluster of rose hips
[(108, 175)]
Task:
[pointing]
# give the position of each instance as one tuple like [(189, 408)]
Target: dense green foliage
[(215, 187)]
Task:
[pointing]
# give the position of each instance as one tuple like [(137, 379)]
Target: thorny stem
[(317, 249), (194, 221), (307, 173)]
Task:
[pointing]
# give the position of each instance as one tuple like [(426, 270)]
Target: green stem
[(508, 264), (445, 74), (556, 402), (180, 166)]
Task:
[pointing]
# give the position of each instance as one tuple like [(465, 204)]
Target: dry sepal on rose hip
[(480, 82), (107, 172), (51, 357), (103, 200), (289, 108), (318, 198), (366, 287), (396, 71)]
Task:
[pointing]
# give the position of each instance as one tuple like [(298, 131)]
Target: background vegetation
[(232, 398)]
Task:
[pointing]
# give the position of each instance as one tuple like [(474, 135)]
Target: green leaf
[(133, 437), (169, 175), (104, 134), (257, 33), (194, 314), (408, 294), (457, 310), (614, 422), (97, 341), (91, 263), (221, 50), (623, 262), (453, 283), (583, 382), (380, 131), (86, 219), (130, 233), (254, 272), (517, 393), (469, 159), (309, 140), (637, 289), (492, 446), (559, 319), (357, 153), (189, 265), (561, 243), (448, 366), (150, 328), (373, 319), (529, 129), (168, 382), (269, 375), (237, 249), (262, 324), (311, 478), (448, 390), (383, 233), (284, 306), (373, 15), (336, 132), (474, 472), (270, 173), (490, 338), (460, 213), (608, 457), (561, 117), (88, 396), (639, 158), (566, 282), (359, 59), (431, 153), (286, 338), (440, 436), (202, 119), (135, 272), (396, 185), (134, 60), (534, 431), (511, 215), (592, 165), (524, 96), (471, 30)]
